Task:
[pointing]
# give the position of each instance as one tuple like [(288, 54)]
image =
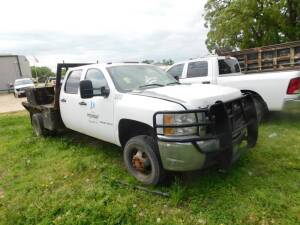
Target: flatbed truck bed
[(45, 100)]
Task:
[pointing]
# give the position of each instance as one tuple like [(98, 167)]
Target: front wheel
[(142, 160)]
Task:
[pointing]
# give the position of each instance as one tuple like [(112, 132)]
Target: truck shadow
[(189, 179), (283, 117), (115, 154), (97, 146)]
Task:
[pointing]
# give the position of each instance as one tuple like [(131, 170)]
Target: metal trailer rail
[(269, 58)]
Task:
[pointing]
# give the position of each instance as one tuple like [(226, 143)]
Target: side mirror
[(104, 91), (177, 78), (86, 89)]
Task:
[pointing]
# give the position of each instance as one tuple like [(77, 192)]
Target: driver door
[(99, 109)]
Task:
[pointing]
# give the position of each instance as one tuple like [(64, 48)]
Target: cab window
[(197, 69), (97, 78), (72, 83), (176, 71), (228, 66)]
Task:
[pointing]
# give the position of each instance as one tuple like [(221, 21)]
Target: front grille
[(225, 121), (235, 110)]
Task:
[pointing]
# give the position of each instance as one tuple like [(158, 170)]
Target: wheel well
[(255, 94), (130, 128)]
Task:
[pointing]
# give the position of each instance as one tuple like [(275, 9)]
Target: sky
[(107, 31)]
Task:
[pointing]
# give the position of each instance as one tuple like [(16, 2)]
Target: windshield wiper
[(173, 83), (149, 85)]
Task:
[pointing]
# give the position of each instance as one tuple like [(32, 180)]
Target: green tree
[(239, 24), (38, 72), (148, 61), (168, 62)]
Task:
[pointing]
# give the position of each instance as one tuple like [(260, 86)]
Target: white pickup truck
[(162, 125), (21, 85), (272, 91)]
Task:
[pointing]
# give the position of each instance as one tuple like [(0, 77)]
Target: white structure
[(13, 67)]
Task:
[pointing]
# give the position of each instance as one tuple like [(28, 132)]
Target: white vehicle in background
[(21, 85), (272, 91)]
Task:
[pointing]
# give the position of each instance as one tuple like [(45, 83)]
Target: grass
[(71, 179)]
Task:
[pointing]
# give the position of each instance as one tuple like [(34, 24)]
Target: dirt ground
[(8, 103)]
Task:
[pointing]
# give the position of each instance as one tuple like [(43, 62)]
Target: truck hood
[(192, 95), (23, 86)]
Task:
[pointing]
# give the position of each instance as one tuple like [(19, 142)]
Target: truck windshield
[(132, 77), (22, 82), (227, 66)]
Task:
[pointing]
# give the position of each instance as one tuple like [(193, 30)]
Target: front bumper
[(228, 124), (20, 93), (291, 105)]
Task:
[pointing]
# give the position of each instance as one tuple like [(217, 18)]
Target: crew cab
[(272, 91), (160, 124)]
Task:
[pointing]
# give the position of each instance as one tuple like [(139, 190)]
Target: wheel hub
[(140, 162)]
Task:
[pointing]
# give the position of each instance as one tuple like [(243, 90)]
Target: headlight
[(179, 119)]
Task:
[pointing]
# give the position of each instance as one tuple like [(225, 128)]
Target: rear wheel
[(260, 108), (142, 160), (38, 125)]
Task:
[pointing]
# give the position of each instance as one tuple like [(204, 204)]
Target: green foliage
[(41, 72), (148, 61), (69, 179), (251, 23), (168, 62)]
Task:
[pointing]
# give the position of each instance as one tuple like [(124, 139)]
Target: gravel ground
[(8, 103)]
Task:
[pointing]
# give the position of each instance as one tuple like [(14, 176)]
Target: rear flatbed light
[(294, 86)]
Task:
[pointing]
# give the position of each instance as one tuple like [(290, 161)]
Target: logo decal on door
[(92, 105)]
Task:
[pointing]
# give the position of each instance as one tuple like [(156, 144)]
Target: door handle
[(206, 82), (63, 100), (82, 103)]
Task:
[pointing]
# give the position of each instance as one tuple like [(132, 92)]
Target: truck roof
[(208, 57), (110, 64)]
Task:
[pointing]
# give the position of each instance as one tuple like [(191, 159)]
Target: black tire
[(38, 125), (260, 108), (142, 160)]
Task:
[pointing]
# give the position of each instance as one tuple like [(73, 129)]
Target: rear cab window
[(176, 71), (228, 67), (197, 69), (72, 82)]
